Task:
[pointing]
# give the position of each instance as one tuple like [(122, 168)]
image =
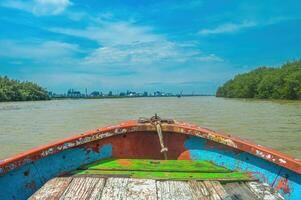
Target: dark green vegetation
[(162, 170), (13, 90), (265, 83)]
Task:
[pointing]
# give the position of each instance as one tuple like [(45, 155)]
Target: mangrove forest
[(14, 90), (265, 83)]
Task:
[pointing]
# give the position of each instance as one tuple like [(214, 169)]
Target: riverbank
[(265, 83), (14, 90)]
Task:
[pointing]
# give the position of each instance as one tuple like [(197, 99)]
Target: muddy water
[(24, 125)]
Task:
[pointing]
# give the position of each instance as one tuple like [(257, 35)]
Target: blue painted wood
[(260, 168), (24, 181)]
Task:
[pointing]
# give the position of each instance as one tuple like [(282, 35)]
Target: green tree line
[(265, 83), (13, 90)]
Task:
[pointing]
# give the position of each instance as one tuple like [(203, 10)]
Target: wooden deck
[(155, 180), (99, 188)]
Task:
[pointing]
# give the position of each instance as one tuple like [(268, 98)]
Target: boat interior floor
[(155, 179)]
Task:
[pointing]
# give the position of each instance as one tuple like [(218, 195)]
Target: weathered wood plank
[(199, 190), (159, 175), (53, 189), (141, 189), (213, 194), (264, 191), (220, 190), (80, 188), (155, 165), (97, 191), (239, 191), (176, 190), (114, 189)]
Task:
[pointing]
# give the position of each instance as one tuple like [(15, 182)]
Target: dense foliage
[(12, 90), (265, 83)]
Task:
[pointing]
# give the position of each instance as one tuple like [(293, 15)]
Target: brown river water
[(24, 125)]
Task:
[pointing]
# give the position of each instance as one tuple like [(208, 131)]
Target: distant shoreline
[(124, 97), (109, 97)]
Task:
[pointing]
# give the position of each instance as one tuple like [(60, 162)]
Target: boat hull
[(22, 175)]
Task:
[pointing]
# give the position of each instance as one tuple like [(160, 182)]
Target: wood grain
[(239, 191), (199, 190), (115, 188), (264, 191), (176, 190), (98, 189), (80, 188), (213, 194), (53, 189), (220, 190), (144, 189)]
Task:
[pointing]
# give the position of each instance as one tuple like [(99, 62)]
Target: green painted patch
[(158, 175), (162, 170), (155, 165)]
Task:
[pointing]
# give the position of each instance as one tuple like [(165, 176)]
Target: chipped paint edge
[(130, 126)]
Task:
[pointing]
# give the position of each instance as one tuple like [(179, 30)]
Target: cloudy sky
[(149, 45)]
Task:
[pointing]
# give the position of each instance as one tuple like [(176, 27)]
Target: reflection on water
[(24, 125)]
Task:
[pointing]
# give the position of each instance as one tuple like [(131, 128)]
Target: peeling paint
[(221, 140), (211, 145), (283, 185), (282, 160)]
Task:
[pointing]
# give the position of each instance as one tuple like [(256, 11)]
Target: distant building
[(95, 94), (73, 93), (131, 94), (158, 94)]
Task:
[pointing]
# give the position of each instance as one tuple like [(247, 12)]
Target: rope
[(159, 131), (157, 121)]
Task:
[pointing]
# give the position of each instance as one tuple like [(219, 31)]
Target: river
[(24, 125)]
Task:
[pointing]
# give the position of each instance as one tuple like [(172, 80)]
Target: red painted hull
[(266, 153), (132, 139)]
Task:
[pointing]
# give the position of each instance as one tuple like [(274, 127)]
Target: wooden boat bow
[(139, 139), (144, 124)]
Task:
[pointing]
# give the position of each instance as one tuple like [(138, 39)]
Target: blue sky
[(192, 46)]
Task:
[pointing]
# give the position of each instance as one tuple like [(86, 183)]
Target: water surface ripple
[(24, 125)]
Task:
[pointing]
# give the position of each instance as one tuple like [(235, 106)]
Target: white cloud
[(152, 54), (37, 51), (39, 7), (228, 28), (137, 54), (125, 49), (128, 44), (112, 33)]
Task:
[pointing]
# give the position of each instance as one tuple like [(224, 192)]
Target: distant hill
[(13, 90), (265, 83)]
